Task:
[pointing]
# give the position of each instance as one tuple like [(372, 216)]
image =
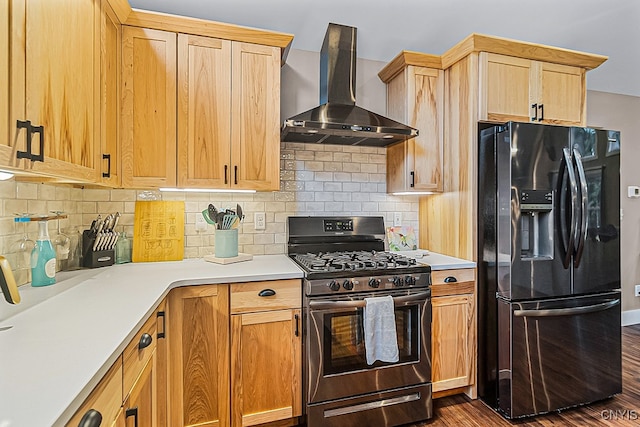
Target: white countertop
[(63, 338), (59, 349)]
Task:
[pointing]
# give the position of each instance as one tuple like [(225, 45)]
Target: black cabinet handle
[(132, 412), (413, 179), (541, 107), (38, 157), (266, 293), (297, 319), (226, 181), (450, 279), (25, 124), (164, 325), (145, 341), (535, 112), (235, 174), (107, 157), (91, 418)]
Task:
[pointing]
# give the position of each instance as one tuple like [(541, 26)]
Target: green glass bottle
[(43, 258)]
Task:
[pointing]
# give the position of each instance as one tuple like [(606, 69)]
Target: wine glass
[(23, 247), (61, 243)]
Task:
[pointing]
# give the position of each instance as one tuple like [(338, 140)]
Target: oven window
[(344, 340)]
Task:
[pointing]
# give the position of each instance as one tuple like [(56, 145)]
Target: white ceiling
[(606, 27)]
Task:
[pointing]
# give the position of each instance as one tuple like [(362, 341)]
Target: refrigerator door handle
[(581, 234), (568, 241), (567, 311)]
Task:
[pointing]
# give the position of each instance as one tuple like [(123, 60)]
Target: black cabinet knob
[(450, 279), (266, 293), (145, 341)]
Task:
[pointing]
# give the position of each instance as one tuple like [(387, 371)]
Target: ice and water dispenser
[(536, 224)]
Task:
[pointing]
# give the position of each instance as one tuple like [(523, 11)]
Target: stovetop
[(353, 261)]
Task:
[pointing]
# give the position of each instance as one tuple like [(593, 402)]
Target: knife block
[(95, 259)]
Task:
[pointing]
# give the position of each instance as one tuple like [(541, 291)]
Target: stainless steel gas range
[(345, 263)]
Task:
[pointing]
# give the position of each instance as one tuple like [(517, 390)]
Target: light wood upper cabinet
[(266, 358), (148, 121), (6, 152), (56, 86), (416, 96), (453, 332), (255, 133), (198, 339), (204, 112), (110, 60), (521, 89)]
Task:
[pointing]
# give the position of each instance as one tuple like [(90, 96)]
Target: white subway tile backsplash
[(316, 179)]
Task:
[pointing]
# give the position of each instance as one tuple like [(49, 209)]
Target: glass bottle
[(43, 258), (123, 249)]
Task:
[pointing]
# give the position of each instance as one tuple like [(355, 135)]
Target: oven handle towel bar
[(403, 300)]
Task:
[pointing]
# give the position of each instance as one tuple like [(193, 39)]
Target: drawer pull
[(297, 331), (145, 341), (91, 418), (266, 293), (450, 279)]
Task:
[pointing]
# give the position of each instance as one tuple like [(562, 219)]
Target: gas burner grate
[(352, 261)]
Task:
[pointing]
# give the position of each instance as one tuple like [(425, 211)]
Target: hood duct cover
[(338, 120)]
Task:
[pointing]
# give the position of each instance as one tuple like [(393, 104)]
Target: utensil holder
[(95, 259), (226, 243)]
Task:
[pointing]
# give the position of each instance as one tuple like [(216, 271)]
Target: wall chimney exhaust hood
[(338, 120)]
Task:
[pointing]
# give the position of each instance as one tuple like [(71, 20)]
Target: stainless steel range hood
[(338, 120)]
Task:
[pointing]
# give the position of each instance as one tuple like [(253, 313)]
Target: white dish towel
[(380, 339)]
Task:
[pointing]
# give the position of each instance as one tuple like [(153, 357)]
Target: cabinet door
[(162, 365), (505, 89), (255, 108), (265, 367), (110, 59), (198, 339), (561, 92), (453, 341), (204, 112), (148, 108), (61, 84), (140, 406), (426, 107), (7, 157)]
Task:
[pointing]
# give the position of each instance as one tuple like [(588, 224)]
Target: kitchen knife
[(98, 235), (8, 282)]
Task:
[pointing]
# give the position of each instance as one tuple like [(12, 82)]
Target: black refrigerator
[(549, 313)]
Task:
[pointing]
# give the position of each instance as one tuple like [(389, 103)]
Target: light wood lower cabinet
[(198, 338), (266, 352), (453, 333)]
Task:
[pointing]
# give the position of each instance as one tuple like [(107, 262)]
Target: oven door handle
[(403, 300)]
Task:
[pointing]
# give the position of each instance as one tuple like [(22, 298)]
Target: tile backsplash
[(315, 180)]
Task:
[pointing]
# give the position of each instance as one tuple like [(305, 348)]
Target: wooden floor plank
[(622, 410)]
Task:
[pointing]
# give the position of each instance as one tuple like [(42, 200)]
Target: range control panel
[(331, 225)]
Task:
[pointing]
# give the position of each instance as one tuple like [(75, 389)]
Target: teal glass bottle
[(43, 259)]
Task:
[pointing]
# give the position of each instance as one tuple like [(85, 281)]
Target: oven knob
[(374, 283), (334, 285), (397, 281), (347, 284), (410, 281)]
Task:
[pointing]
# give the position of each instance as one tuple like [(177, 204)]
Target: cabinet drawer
[(137, 353), (106, 398), (245, 297), (464, 282)]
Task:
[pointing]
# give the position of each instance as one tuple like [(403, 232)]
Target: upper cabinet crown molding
[(406, 58), (220, 30), (538, 52)]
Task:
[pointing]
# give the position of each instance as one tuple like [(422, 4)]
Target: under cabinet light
[(413, 193), (5, 175), (206, 190)]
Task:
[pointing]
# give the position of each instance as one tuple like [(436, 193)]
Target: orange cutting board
[(158, 231)]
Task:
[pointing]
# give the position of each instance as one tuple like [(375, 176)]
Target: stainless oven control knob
[(347, 284), (397, 281), (374, 283), (334, 285), (409, 280)]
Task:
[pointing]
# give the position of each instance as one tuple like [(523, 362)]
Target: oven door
[(335, 350)]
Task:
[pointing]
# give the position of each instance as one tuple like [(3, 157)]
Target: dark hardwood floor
[(621, 410)]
